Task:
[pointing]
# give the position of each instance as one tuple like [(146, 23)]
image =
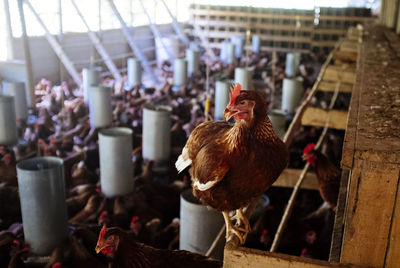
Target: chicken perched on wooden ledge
[(327, 174), (233, 164)]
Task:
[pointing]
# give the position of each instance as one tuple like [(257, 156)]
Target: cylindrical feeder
[(278, 120), (44, 212), (17, 90), (100, 109), (180, 72), (194, 46), (156, 141), (193, 59), (244, 77), (90, 76), (255, 44), (238, 40), (292, 91), (8, 121), (134, 72), (292, 64), (223, 51), (199, 226), (230, 57), (116, 168), (221, 99)]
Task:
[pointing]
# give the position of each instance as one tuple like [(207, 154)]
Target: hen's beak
[(98, 248), (230, 112), (306, 156)]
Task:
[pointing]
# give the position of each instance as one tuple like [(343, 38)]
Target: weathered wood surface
[(340, 73), (345, 56), (393, 255), (317, 117), (329, 86), (245, 257), (289, 177), (372, 192)]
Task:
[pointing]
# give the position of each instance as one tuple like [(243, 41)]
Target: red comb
[(134, 219), (56, 265), (235, 91), (303, 252), (309, 148), (103, 214), (102, 232), (53, 140), (265, 232), (98, 190), (16, 242)]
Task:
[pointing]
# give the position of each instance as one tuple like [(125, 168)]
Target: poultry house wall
[(79, 49)]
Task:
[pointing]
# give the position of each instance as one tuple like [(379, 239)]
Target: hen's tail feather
[(183, 161)]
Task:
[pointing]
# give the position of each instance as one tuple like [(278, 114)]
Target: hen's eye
[(242, 102)]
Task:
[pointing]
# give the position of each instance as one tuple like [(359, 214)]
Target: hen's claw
[(238, 230)]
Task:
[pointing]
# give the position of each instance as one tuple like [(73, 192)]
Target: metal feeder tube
[(180, 72), (255, 44), (292, 91), (44, 213), (292, 64), (134, 72), (278, 120), (17, 90), (116, 168), (221, 99), (244, 77), (193, 59), (8, 121), (91, 76), (100, 109)]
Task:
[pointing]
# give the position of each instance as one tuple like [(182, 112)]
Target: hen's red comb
[(265, 232), (102, 232), (103, 214), (134, 219), (56, 265), (309, 148), (235, 91)]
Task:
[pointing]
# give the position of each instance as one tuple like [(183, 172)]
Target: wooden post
[(27, 53)]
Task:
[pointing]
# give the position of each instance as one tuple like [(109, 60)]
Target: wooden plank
[(372, 192), (246, 257), (317, 117), (329, 86), (336, 73), (393, 255), (337, 235), (345, 56), (289, 177), (349, 46), (343, 18)]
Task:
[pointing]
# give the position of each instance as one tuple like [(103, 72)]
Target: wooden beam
[(393, 254), (336, 73), (289, 177), (317, 117), (246, 257), (329, 86), (371, 197), (345, 56)]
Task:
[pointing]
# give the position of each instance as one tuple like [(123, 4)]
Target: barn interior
[(102, 101)]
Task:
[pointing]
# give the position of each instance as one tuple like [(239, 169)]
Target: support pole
[(100, 48), (56, 47), (176, 26), (132, 44), (156, 32), (10, 47), (27, 53)]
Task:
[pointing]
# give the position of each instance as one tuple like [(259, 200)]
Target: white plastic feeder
[(292, 64), (134, 72), (180, 72), (223, 51), (230, 57), (116, 168), (100, 109), (238, 40), (292, 91), (193, 59), (278, 120), (90, 76), (255, 44), (17, 90), (244, 77), (156, 141), (44, 212), (8, 121), (221, 99), (199, 226)]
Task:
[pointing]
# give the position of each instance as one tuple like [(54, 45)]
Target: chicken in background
[(8, 170), (328, 174), (124, 251), (233, 164)]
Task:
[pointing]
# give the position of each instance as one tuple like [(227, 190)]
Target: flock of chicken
[(150, 214)]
